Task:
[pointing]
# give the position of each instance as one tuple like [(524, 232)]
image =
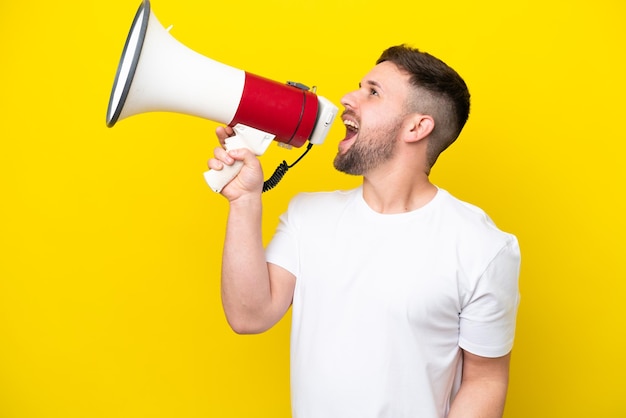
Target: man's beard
[(369, 152)]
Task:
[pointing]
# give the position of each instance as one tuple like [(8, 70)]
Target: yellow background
[(110, 241)]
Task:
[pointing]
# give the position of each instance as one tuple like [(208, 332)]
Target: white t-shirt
[(384, 303)]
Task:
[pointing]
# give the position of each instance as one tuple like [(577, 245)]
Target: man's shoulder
[(471, 219), (478, 240)]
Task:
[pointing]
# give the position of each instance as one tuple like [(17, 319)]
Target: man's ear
[(419, 126)]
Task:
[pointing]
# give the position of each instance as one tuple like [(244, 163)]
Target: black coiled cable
[(281, 170)]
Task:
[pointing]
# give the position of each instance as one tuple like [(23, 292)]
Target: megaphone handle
[(245, 137), (217, 179)]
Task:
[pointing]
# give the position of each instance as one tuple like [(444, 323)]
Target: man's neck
[(390, 194)]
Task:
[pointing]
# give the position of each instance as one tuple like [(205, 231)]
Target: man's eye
[(373, 92)]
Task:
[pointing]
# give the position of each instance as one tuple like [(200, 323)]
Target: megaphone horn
[(158, 73)]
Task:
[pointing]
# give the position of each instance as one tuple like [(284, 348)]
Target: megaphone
[(158, 73)]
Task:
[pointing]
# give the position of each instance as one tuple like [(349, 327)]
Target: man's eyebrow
[(372, 83)]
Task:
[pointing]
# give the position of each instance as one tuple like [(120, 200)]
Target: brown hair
[(439, 92)]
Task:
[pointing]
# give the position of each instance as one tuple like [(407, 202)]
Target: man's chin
[(345, 163)]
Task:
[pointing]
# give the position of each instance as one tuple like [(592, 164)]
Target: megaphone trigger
[(255, 140)]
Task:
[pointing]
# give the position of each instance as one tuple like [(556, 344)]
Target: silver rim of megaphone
[(117, 98)]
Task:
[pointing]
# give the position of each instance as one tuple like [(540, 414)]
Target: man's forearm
[(245, 278), (479, 400), (483, 387)]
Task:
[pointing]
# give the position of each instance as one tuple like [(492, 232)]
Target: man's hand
[(249, 181)]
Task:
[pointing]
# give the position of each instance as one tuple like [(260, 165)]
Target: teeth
[(351, 125)]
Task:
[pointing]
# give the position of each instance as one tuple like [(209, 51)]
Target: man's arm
[(483, 387), (255, 294)]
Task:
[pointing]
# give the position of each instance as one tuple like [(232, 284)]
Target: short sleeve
[(487, 321)]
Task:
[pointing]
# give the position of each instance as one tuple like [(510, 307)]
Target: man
[(404, 298)]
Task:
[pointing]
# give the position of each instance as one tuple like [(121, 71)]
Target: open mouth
[(352, 128), (351, 125)]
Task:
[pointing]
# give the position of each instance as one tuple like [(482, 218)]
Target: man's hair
[(439, 92)]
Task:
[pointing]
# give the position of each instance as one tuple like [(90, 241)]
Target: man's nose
[(348, 100)]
